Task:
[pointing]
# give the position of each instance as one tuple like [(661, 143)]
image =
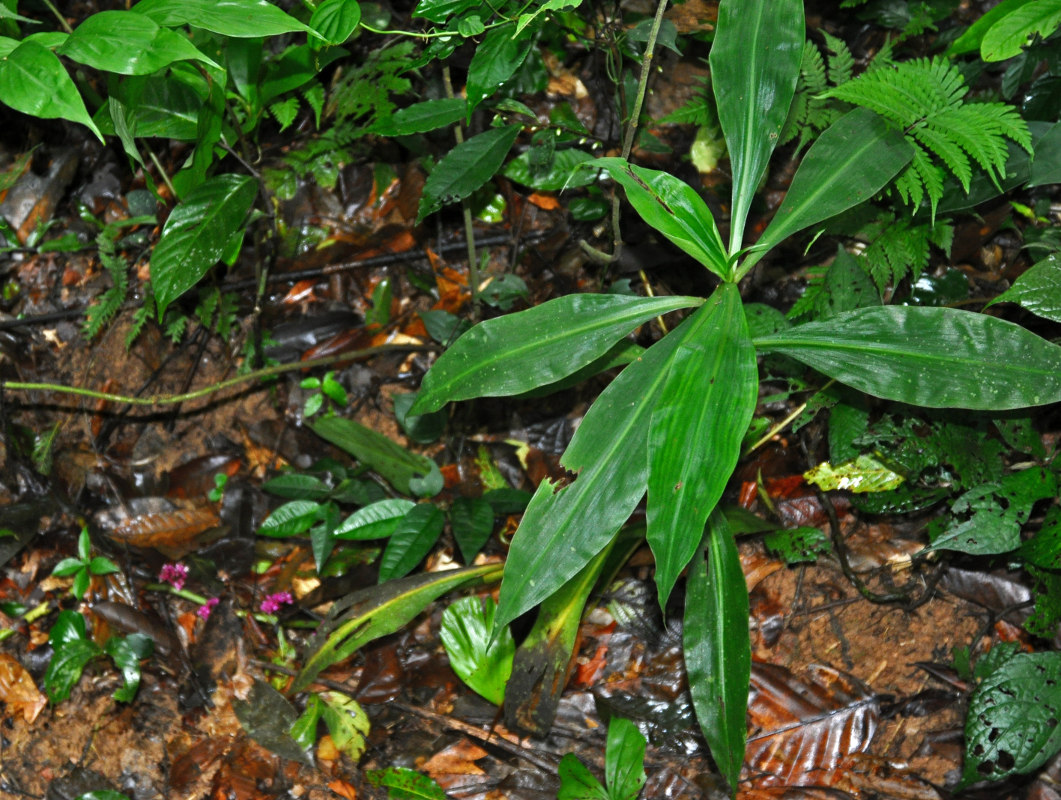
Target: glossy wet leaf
[(408, 472), (935, 357), (465, 168), (405, 784), (35, 82), (519, 352), (347, 723), (73, 649), (127, 653), (562, 530), (291, 519), (717, 648), (267, 717), (577, 782), (236, 18), (336, 20), (673, 208), (695, 430), (376, 611), (1044, 548), (848, 163), (427, 115), (196, 233), (484, 664), (624, 760), (129, 44), (1012, 726), (1038, 290), (496, 59), (412, 539), (755, 60), (376, 521)]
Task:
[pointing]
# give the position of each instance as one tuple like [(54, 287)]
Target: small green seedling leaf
[(72, 650), (797, 545), (496, 59), (484, 664), (577, 782), (472, 520), (127, 654), (624, 767), (405, 784), (863, 474), (422, 117), (347, 723)]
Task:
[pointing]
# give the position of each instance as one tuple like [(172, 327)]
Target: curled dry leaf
[(18, 691)]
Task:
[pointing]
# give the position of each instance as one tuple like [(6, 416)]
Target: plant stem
[(628, 139), (58, 16), (174, 399), (469, 230)]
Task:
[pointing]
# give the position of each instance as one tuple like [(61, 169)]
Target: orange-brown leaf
[(18, 691)]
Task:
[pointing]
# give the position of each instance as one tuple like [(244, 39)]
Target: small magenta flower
[(174, 574), (271, 604), (207, 607)]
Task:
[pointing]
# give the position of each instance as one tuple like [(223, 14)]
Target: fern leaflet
[(99, 314), (925, 98), (811, 112)]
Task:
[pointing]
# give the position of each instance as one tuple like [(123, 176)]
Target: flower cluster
[(207, 607), (174, 574), (271, 604)]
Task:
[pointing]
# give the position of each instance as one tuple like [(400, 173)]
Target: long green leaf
[(673, 208), (196, 234), (411, 540), (562, 531), (1038, 290), (465, 168), (717, 649), (935, 357), (237, 18), (129, 44), (850, 162), (696, 429), (1015, 30), (755, 61), (34, 81), (501, 52), (532, 348), (377, 611)]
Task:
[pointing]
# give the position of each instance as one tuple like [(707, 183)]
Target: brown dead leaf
[(18, 691), (171, 532), (450, 767)]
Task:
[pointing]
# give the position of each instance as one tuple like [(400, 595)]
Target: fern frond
[(925, 97), (141, 316), (98, 315), (841, 61), (284, 111), (313, 94)]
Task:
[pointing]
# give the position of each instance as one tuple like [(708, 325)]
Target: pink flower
[(271, 604), (174, 574), (207, 607)]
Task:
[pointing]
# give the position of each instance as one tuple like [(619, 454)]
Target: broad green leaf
[(376, 611), (563, 530), (237, 18), (291, 519), (465, 168), (577, 782), (1044, 548), (1007, 37), (127, 654), (559, 173), (519, 352), (412, 539), (483, 663), (624, 760), (296, 486), (1012, 725), (403, 783), (970, 41), (407, 472), (441, 10), (376, 521), (196, 233), (934, 357), (336, 20), (850, 162), (755, 61), (797, 545), (161, 106), (1038, 290), (548, 5), (120, 118), (472, 521), (496, 59), (717, 648), (347, 722), (696, 428), (673, 208), (72, 651), (34, 81), (865, 473), (129, 44), (422, 117)]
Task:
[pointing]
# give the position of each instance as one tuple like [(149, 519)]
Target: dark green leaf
[(396, 464), (560, 173), (422, 117), (161, 106), (624, 760), (496, 59), (196, 233), (482, 662), (1038, 290), (422, 428), (304, 731), (1012, 726), (34, 81), (405, 784), (717, 648), (336, 20), (507, 501), (444, 327), (376, 521), (297, 487), (516, 353), (850, 162), (441, 10), (367, 614), (127, 654), (72, 651), (673, 208), (755, 61), (465, 168), (129, 44), (413, 538), (1044, 548), (577, 782), (472, 520), (935, 357), (696, 428), (267, 717), (236, 18)]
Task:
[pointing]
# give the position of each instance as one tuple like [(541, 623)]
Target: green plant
[(624, 771), (84, 566), (699, 383), (74, 649)]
